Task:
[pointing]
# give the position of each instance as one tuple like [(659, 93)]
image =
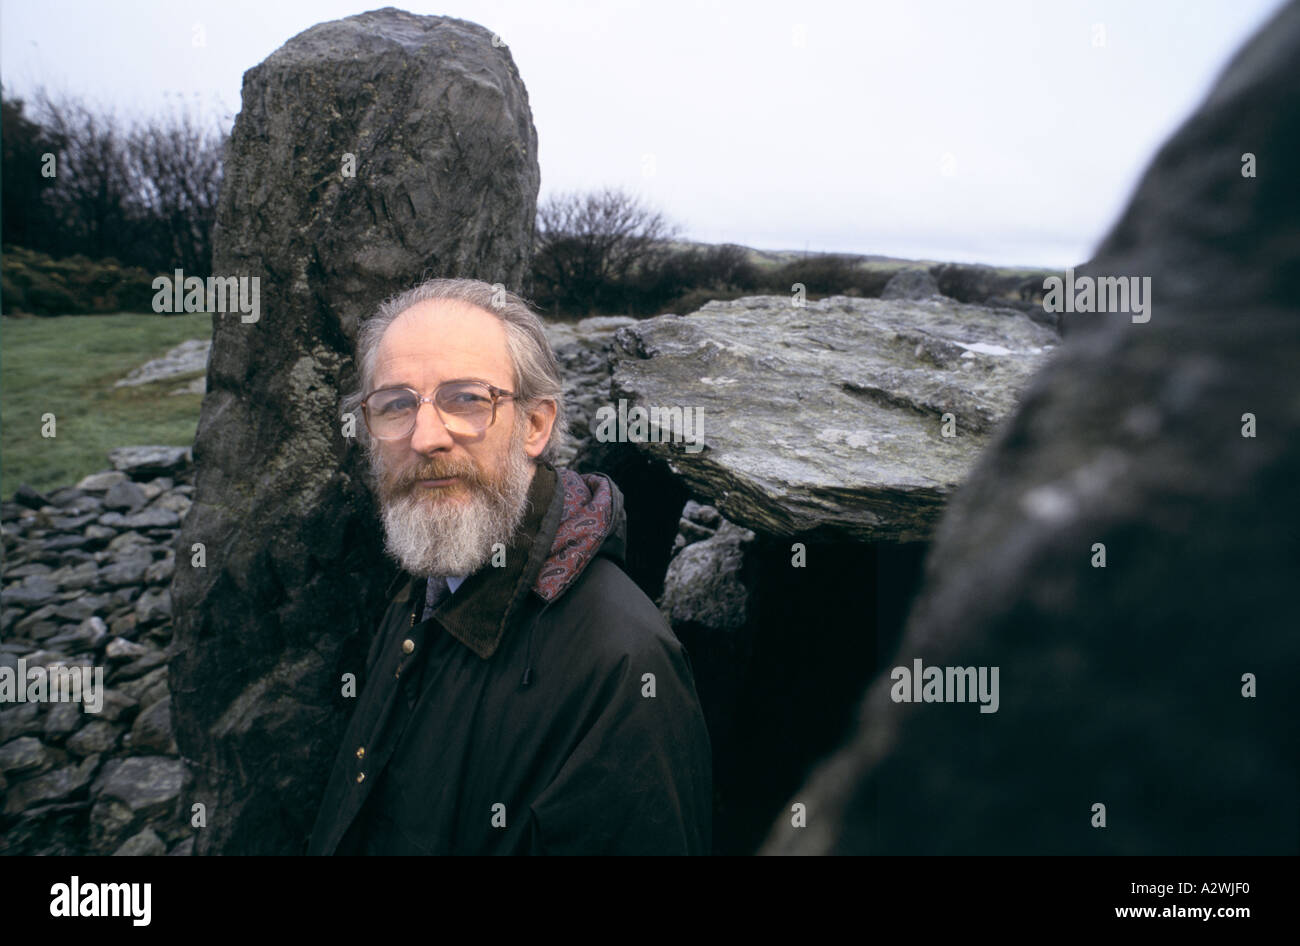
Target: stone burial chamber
[(1147, 699), (840, 426), (833, 433)]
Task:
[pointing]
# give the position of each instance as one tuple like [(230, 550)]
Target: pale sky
[(999, 131)]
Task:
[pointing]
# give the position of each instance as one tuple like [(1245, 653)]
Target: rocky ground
[(86, 575)]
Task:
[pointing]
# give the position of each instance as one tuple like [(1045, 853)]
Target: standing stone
[(1161, 686), (433, 120)]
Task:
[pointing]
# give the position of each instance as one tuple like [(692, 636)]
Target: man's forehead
[(448, 337)]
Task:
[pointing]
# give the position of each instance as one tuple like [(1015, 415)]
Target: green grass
[(66, 366)]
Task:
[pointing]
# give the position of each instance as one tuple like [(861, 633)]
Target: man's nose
[(430, 433)]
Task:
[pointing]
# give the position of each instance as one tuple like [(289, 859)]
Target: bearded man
[(521, 694)]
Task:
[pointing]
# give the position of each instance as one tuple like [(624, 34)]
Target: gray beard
[(457, 538)]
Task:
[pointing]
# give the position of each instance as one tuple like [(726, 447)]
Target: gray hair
[(536, 372)]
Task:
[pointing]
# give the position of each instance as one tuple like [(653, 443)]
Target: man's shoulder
[(610, 617)]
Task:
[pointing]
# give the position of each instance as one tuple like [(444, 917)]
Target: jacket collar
[(569, 518)]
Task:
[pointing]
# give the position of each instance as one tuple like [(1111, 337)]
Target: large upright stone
[(433, 118), (1157, 692)]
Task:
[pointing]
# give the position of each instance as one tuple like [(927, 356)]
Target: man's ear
[(541, 419)]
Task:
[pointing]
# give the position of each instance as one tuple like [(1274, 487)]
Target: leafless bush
[(590, 246), (143, 192), (175, 166)]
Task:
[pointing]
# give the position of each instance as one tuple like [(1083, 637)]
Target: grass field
[(66, 366)]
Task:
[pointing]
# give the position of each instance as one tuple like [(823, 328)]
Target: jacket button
[(361, 777), (361, 752), (408, 645)]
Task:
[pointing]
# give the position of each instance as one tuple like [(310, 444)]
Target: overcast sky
[(992, 131)]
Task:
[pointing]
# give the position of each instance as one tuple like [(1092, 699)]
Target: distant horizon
[(882, 257)]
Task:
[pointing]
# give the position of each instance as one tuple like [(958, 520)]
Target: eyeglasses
[(466, 408)]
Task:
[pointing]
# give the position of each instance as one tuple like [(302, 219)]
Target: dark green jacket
[(544, 708)]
